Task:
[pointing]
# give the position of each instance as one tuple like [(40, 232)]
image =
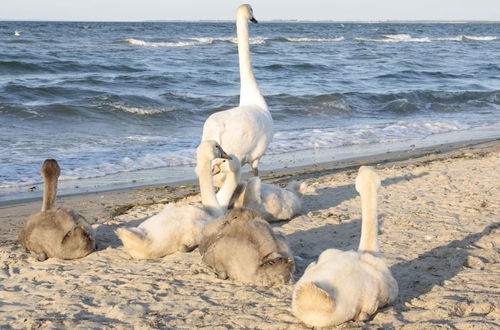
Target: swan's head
[(210, 150), (50, 169), (367, 179), (246, 12)]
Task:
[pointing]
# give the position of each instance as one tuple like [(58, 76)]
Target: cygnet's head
[(367, 179), (246, 12), (225, 166), (50, 169), (222, 167)]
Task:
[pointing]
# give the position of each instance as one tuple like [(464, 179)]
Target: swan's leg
[(255, 167)]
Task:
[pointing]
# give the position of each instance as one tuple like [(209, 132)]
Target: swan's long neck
[(369, 226), (207, 189), (49, 193), (227, 190), (249, 91)]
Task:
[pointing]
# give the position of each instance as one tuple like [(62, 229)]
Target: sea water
[(124, 103)]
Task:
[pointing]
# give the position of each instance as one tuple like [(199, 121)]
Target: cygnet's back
[(59, 233), (242, 246)]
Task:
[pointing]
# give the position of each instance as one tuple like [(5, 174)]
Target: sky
[(337, 10)]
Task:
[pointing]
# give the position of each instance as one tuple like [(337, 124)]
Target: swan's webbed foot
[(42, 256), (222, 275), (185, 248), (362, 316)]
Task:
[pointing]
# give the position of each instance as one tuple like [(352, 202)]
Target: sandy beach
[(439, 211)]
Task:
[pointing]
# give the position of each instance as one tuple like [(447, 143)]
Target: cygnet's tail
[(367, 184), (134, 242), (313, 305)]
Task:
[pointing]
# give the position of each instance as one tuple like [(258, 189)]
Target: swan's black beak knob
[(253, 20)]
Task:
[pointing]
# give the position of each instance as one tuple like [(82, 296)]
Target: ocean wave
[(141, 110), (318, 138), (395, 38), (479, 38), (203, 41), (233, 40), (142, 43), (164, 152), (337, 39)]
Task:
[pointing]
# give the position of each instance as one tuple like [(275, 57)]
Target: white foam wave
[(457, 38), (287, 141), (315, 39), (480, 38), (141, 111), (396, 38), (142, 43), (130, 164), (193, 42), (234, 40), (408, 38)]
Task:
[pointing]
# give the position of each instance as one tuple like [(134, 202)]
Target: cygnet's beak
[(253, 20), (215, 169)]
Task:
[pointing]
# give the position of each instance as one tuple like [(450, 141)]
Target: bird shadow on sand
[(308, 244), (418, 276), (106, 236), (337, 195)]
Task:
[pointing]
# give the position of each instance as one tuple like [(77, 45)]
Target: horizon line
[(449, 21)]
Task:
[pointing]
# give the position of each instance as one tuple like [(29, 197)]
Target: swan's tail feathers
[(77, 243), (367, 184), (134, 242), (300, 189), (313, 305)]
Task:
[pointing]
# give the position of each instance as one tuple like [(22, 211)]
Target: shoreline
[(292, 161), (394, 152)]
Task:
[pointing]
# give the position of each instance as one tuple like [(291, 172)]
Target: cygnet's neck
[(49, 193), (369, 222), (227, 190), (249, 91)]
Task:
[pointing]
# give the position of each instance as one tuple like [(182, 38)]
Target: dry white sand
[(440, 229)]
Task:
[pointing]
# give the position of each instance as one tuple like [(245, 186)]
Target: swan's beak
[(253, 20), (223, 155)]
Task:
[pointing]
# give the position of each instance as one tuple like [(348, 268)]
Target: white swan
[(247, 130), (59, 233), (178, 227), (348, 285)]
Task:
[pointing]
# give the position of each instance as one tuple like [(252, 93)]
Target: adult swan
[(247, 130)]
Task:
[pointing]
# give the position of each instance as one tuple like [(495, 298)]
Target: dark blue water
[(105, 98)]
